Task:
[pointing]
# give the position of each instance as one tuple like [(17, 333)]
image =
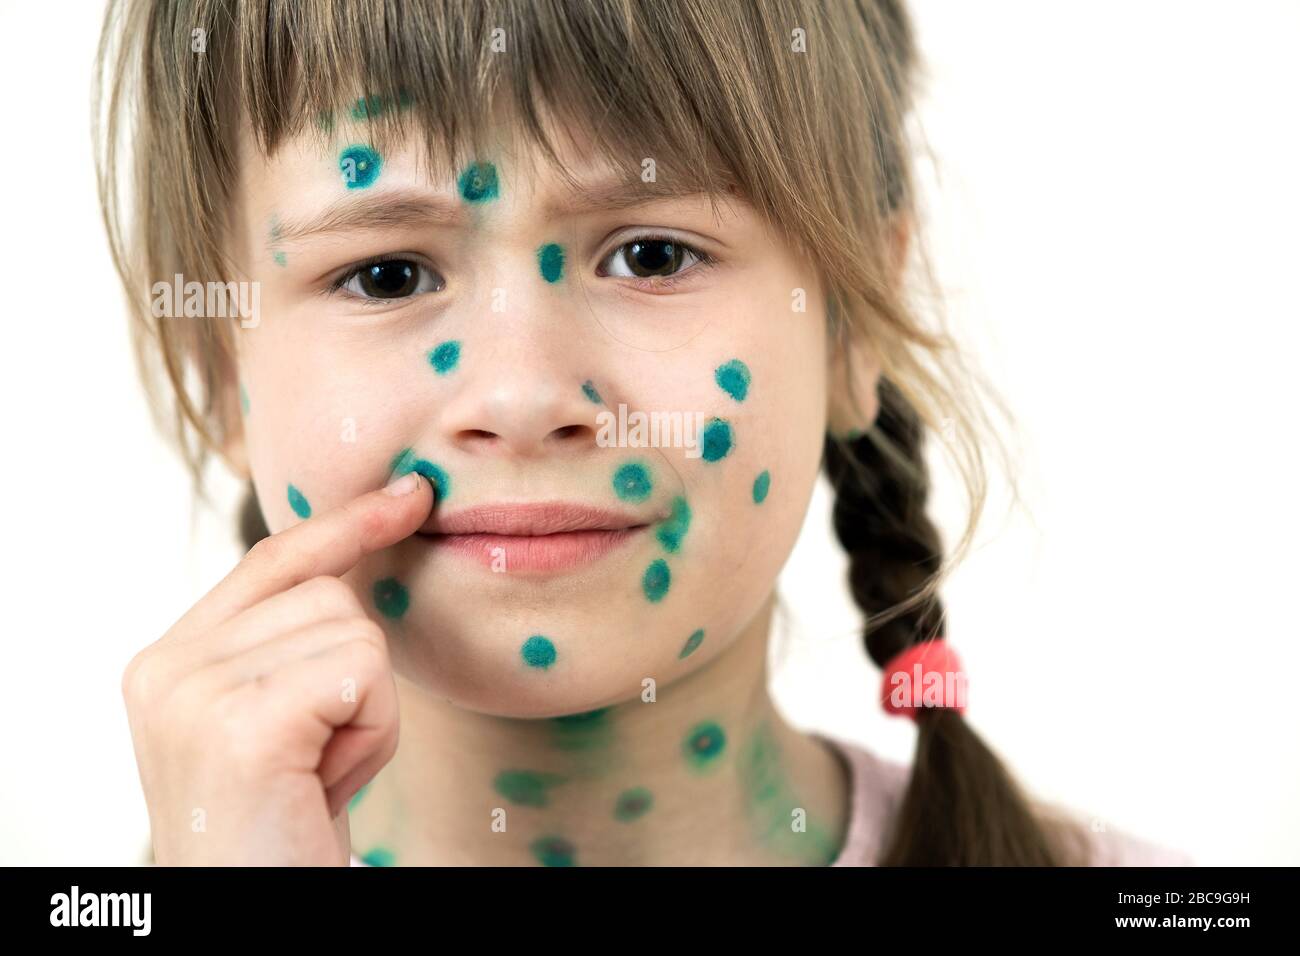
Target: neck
[(707, 774)]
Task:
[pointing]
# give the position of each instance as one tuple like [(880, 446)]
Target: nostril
[(569, 431)]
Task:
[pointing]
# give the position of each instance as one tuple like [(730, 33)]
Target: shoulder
[(877, 789)]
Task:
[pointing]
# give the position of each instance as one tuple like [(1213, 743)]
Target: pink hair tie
[(924, 675)]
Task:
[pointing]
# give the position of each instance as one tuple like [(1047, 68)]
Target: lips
[(533, 537)]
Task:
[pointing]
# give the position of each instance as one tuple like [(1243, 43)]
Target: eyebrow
[(379, 212), (402, 209)]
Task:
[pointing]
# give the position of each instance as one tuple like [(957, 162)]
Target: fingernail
[(408, 483)]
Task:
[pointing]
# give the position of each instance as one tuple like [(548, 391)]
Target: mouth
[(539, 538)]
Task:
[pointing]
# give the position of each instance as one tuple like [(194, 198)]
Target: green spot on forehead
[(359, 166), (478, 183)]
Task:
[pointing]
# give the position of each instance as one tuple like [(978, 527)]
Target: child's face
[(494, 356)]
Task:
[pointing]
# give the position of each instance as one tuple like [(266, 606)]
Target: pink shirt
[(878, 787)]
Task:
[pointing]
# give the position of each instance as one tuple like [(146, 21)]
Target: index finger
[(330, 543)]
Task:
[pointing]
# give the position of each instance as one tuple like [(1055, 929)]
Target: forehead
[(306, 175)]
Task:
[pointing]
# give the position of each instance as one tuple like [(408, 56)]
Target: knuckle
[(269, 552), (331, 594)]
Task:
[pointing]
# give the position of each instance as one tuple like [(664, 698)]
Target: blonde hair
[(800, 107)]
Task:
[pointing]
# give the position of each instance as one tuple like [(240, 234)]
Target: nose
[(522, 395)]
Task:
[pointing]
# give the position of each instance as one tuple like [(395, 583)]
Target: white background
[(1115, 224)]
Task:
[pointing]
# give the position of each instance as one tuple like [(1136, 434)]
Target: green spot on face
[(243, 398), (538, 651), (716, 443), (280, 258), (359, 166), (733, 378), (656, 580), (380, 856), (444, 357), (593, 396), (356, 797), (632, 482), (478, 183), (525, 787), (692, 642), (633, 804), (406, 462), (391, 598), (761, 485), (553, 851), (671, 531), (298, 503), (704, 744), (550, 259)]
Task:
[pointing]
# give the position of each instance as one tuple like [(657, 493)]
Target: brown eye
[(649, 257), (391, 279)]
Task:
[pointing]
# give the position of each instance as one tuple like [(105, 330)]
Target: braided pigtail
[(961, 806)]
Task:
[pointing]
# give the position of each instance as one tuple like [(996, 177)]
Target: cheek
[(318, 433)]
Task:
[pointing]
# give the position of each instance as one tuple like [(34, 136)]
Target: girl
[(531, 326)]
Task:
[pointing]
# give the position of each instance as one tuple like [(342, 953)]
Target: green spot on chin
[(733, 378), (704, 744), (380, 856), (692, 642), (405, 462), (550, 259), (656, 580), (359, 166), (593, 396), (632, 482), (553, 851), (391, 598), (298, 502), (444, 357), (478, 183), (632, 804), (671, 531), (761, 485), (716, 442), (526, 787), (538, 651)]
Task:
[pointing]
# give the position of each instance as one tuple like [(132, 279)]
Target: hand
[(264, 709)]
